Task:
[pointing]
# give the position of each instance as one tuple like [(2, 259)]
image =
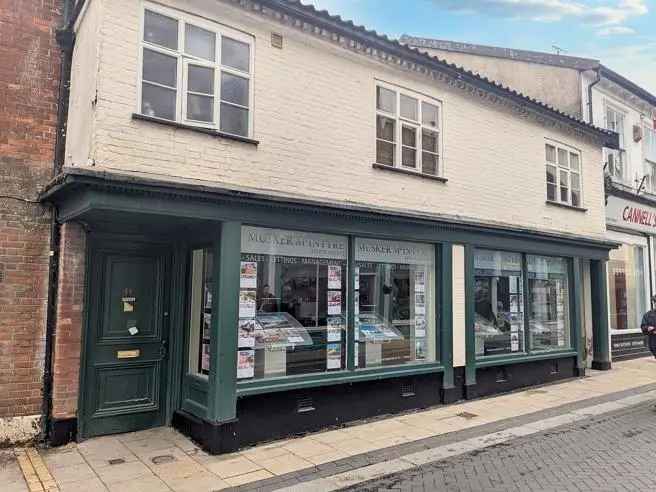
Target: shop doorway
[(124, 385)]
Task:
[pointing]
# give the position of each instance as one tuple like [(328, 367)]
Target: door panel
[(127, 340)]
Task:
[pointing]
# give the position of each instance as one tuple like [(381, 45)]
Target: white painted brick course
[(314, 116)]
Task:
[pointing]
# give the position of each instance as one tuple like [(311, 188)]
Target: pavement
[(455, 447)]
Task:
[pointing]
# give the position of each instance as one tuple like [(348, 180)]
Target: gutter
[(65, 40)]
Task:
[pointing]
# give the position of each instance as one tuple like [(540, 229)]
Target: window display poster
[(420, 303), (247, 304), (207, 325), (420, 349), (248, 275), (334, 277), (334, 302), (356, 300), (245, 364), (205, 357), (334, 329), (247, 329), (420, 281), (356, 282), (420, 327), (334, 356), (514, 341)]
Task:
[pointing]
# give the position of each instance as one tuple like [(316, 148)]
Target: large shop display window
[(292, 303), (499, 302), (627, 287), (394, 303), (200, 311), (507, 322)]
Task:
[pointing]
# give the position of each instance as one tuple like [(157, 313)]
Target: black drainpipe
[(65, 39)]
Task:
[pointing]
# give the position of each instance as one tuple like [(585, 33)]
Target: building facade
[(29, 89), (589, 90), (277, 222)]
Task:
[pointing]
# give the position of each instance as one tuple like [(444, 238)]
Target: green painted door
[(126, 341)]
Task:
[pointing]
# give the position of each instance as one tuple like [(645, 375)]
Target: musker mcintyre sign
[(630, 215)]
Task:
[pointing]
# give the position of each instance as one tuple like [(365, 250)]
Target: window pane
[(409, 157), (385, 100), (499, 302), (564, 186), (161, 30), (199, 42), (429, 115), (627, 290), (385, 152), (292, 303), (200, 108), (385, 128), (548, 289), (200, 309), (551, 191), (429, 141), (429, 163), (575, 181), (234, 120), (409, 136), (562, 158), (576, 198), (395, 303), (160, 68), (551, 153), (234, 89), (551, 174), (574, 161), (158, 101), (201, 79), (409, 107), (235, 54)]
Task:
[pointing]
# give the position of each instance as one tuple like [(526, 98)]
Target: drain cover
[(165, 458), (466, 415), (116, 461)]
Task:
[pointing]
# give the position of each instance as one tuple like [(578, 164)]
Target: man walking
[(648, 326)]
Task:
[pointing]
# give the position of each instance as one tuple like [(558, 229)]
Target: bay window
[(195, 72), (563, 174), (407, 130)]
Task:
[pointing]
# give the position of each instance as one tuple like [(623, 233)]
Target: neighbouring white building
[(587, 89)]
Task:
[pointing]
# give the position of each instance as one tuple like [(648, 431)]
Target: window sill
[(200, 129), (248, 388), (564, 205), (503, 360), (384, 167)]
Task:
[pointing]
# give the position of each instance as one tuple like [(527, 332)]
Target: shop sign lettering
[(630, 215)]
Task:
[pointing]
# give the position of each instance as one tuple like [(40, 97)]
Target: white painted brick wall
[(314, 117)]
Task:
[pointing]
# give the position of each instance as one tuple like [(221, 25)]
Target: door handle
[(163, 349)]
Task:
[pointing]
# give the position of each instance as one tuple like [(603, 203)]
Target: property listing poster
[(248, 275), (247, 304), (205, 357), (247, 329), (334, 277), (334, 329), (245, 363), (334, 355), (334, 302)]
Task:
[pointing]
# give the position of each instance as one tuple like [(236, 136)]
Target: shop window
[(548, 290), (407, 130), (563, 174), (499, 303), (394, 303), (292, 303), (200, 311), (195, 72), (627, 287)]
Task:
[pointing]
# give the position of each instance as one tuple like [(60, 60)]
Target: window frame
[(401, 121), (183, 60), (560, 169), (608, 106)]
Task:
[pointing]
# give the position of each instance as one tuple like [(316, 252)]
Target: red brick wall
[(29, 79), (70, 300)]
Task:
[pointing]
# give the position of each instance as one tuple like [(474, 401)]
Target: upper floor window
[(649, 143), (563, 174), (614, 164), (195, 72), (407, 130), (615, 122)]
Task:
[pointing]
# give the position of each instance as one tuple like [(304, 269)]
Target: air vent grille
[(305, 404)]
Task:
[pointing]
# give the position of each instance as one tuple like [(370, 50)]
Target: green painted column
[(600, 332), (445, 316), (350, 312), (470, 336), (578, 333), (225, 315)]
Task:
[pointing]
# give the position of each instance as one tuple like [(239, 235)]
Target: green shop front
[(240, 318)]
